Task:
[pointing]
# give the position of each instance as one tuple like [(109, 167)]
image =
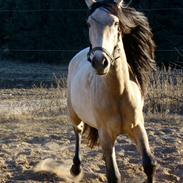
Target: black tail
[(92, 135)]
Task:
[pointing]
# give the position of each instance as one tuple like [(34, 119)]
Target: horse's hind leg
[(139, 135)]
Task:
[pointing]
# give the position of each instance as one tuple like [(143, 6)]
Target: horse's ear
[(119, 2), (89, 3)]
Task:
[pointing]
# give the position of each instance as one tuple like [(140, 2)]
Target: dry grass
[(165, 94), (164, 99), (32, 104)]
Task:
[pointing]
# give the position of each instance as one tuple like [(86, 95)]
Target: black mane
[(137, 39)]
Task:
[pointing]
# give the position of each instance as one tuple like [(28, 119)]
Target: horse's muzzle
[(100, 64)]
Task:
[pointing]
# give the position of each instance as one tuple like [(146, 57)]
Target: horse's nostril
[(105, 63), (93, 63)]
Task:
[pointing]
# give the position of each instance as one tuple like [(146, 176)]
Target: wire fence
[(69, 51), (79, 10), (178, 51)]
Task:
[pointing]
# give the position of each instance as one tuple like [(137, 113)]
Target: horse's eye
[(88, 25), (116, 23)]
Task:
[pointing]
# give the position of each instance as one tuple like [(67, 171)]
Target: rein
[(92, 50)]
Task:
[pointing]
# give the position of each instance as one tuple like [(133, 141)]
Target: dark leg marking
[(139, 135), (75, 169), (111, 168), (149, 165)]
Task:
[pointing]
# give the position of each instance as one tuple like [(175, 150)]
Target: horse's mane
[(137, 39), (138, 44)]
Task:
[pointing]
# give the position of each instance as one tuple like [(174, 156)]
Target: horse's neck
[(118, 78)]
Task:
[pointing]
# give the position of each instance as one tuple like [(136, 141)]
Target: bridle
[(112, 57)]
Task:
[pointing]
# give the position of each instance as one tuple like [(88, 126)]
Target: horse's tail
[(92, 135)]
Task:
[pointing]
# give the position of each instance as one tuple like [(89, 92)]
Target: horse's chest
[(81, 99)]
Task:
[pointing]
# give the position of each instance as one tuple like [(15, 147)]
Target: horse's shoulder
[(79, 57), (78, 60), (134, 95)]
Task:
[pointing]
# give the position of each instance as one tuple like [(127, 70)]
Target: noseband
[(92, 50), (112, 57)]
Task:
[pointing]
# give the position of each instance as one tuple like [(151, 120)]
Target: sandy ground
[(24, 142), (34, 127)]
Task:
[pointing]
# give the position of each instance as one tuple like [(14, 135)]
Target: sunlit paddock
[(35, 126)]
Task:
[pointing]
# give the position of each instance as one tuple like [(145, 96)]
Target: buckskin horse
[(107, 83)]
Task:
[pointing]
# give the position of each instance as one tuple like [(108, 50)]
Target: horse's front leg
[(107, 143), (75, 169), (139, 135)]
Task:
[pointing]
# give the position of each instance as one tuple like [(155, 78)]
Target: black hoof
[(75, 170), (149, 165)]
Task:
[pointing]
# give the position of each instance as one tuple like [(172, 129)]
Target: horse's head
[(104, 33)]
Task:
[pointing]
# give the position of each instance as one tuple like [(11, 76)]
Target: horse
[(107, 84)]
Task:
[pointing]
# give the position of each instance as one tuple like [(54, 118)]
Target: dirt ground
[(27, 139), (34, 127)]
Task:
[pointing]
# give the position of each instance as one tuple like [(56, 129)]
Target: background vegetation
[(35, 30)]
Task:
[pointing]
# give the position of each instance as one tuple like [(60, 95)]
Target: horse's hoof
[(148, 181), (75, 170)]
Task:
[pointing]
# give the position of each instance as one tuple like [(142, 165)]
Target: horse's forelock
[(111, 6)]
